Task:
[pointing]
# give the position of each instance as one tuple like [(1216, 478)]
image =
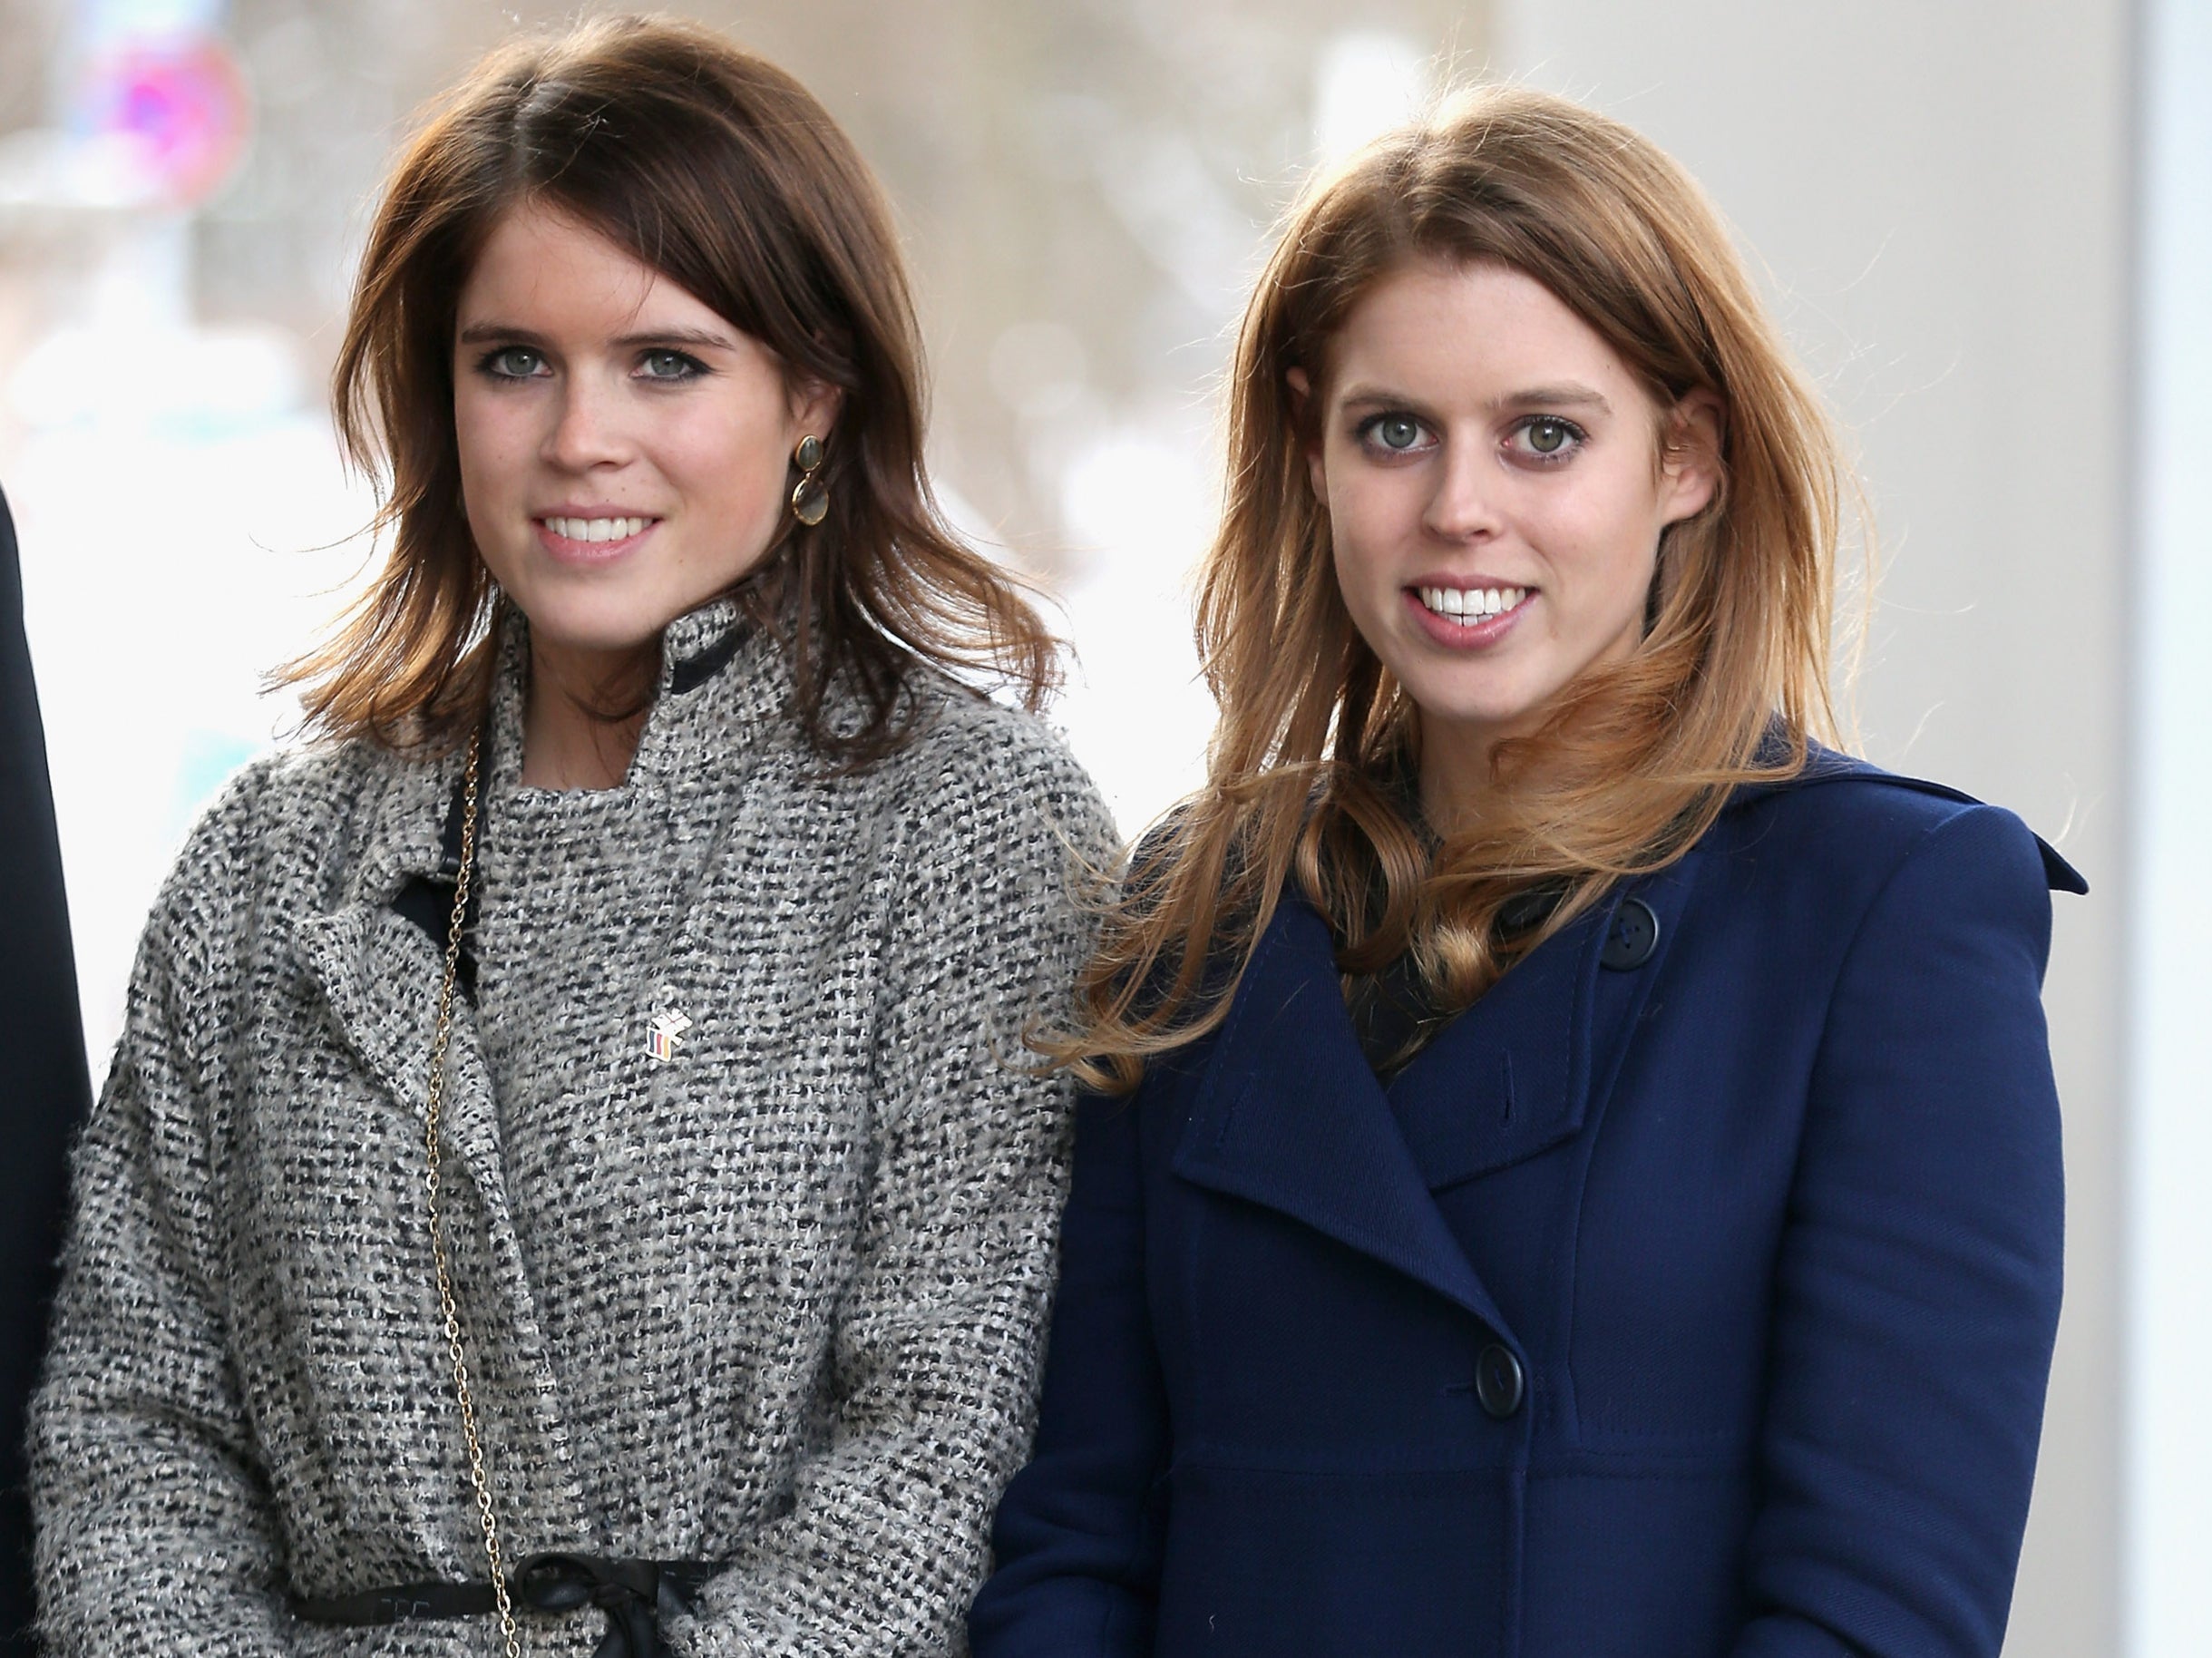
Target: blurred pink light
[(183, 110)]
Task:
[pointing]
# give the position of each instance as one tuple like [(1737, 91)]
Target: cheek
[(1370, 514), (491, 435), (733, 462), (1360, 573), (1602, 542)]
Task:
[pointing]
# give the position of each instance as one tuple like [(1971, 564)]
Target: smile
[(597, 529), (1469, 606)]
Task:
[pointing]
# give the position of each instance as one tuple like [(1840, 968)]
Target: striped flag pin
[(665, 1032)]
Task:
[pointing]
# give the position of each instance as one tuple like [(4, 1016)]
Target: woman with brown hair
[(1586, 1174), (570, 1148)]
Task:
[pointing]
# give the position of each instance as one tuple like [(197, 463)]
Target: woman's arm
[(1078, 1536), (41, 1054), (1917, 1292), (932, 1370), (155, 1533)]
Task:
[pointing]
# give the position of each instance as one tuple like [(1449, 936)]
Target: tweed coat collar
[(724, 691), (724, 685)]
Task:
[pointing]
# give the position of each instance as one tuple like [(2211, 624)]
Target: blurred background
[(1988, 226)]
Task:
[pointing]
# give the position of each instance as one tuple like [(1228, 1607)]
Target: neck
[(568, 743), (1456, 785)]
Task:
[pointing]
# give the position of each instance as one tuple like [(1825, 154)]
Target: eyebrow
[(1567, 395), (488, 333)]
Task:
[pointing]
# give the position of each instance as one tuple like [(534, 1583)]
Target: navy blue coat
[(1695, 1305)]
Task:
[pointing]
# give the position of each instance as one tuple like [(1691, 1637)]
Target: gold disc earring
[(810, 498)]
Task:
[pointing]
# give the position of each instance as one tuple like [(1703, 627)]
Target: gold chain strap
[(439, 1044)]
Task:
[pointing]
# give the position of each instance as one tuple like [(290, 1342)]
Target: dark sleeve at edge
[(41, 1054)]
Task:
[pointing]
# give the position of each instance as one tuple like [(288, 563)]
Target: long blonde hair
[(1306, 767)]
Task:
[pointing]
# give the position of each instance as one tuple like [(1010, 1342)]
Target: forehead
[(550, 272), (1480, 329)]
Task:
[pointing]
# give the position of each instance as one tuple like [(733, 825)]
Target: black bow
[(638, 1596)]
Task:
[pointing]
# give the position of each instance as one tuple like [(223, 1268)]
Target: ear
[(1690, 448), (815, 405), (1302, 394)]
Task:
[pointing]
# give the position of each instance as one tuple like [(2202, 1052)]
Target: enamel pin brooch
[(665, 1032)]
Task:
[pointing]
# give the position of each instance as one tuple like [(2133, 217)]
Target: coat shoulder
[(286, 825), (969, 756), (1852, 808), (272, 802)]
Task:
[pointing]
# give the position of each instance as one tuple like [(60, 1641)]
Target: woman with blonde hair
[(1576, 1163), (569, 1178)]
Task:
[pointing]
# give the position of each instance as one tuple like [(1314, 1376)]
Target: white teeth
[(597, 529), (1472, 604)]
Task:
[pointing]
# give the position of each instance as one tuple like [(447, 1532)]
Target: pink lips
[(569, 551), (1466, 636)]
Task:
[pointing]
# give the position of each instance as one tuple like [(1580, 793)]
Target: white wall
[(1941, 196), (2168, 1534)]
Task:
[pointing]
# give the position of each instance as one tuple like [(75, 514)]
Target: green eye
[(513, 363), (1398, 430), (1547, 436), (671, 365)]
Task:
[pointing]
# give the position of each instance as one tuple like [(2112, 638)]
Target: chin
[(597, 632), (1474, 710)]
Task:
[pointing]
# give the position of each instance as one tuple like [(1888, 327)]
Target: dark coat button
[(1631, 938), (1498, 1381)]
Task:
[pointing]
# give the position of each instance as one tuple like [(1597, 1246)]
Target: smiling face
[(1496, 491), (624, 450)]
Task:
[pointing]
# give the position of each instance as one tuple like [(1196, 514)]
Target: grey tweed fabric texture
[(778, 1300)]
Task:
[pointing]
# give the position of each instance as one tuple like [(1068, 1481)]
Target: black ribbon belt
[(637, 1595)]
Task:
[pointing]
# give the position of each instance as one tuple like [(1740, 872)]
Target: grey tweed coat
[(777, 1300)]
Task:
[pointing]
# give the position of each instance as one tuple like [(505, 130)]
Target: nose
[(587, 429), (1464, 504)]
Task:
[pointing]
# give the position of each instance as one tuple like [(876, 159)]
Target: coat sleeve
[(42, 1049), (1917, 1287), (1078, 1536), (154, 1526), (931, 1375)]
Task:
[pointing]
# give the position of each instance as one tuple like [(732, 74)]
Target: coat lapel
[(378, 974), (379, 977), (1510, 1077), (1288, 1114), (1516, 1073)]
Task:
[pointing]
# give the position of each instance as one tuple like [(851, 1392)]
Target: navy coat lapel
[(1288, 1114), (1510, 1077), (1516, 1073)]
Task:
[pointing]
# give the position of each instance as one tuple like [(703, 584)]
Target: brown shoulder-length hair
[(1307, 776), (719, 170)]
